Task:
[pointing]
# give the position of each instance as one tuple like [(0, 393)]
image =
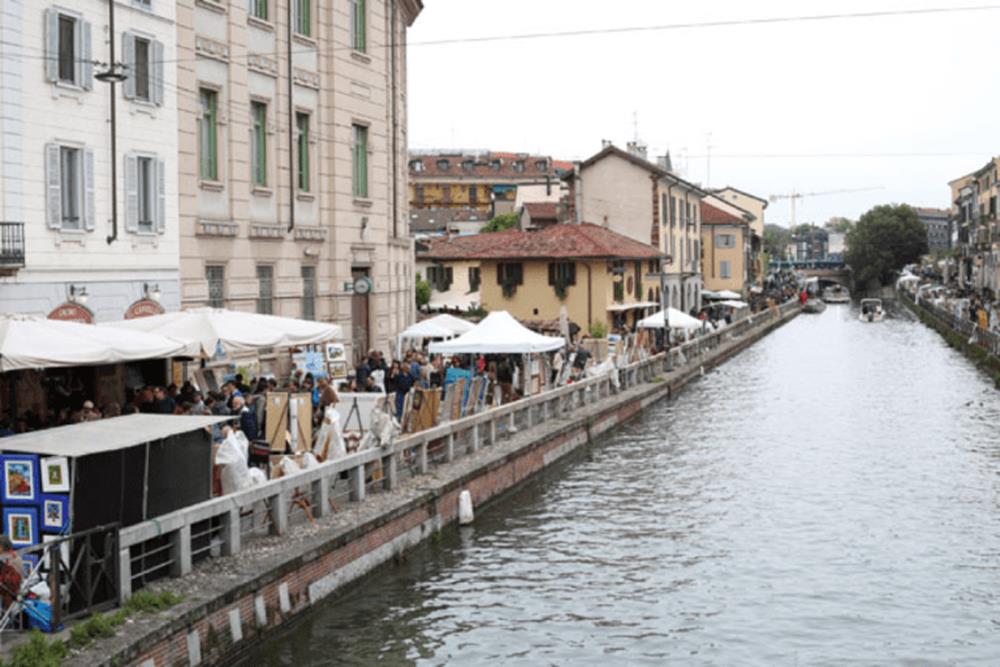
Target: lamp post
[(114, 74)]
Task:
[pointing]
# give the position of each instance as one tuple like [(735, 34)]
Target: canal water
[(829, 497)]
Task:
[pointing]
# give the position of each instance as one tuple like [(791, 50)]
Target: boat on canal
[(836, 294), (814, 305), (871, 310)]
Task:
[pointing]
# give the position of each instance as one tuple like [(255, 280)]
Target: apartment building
[(623, 191), (88, 230), (974, 217), (293, 159)]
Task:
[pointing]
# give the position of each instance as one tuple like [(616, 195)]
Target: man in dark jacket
[(248, 421)]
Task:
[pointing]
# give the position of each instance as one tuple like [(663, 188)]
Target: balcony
[(11, 246)]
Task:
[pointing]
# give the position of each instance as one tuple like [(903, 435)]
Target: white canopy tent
[(32, 342), (738, 305), (672, 317), (724, 294), (202, 330), (499, 333), (440, 327)]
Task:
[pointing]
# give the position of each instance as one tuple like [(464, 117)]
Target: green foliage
[(500, 223), (598, 329), (885, 239), (149, 601), (838, 224), (423, 290), (776, 238), (477, 311), (38, 651)]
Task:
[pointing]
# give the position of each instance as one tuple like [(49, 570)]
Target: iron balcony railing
[(11, 244)]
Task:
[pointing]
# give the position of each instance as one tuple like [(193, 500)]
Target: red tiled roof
[(565, 241), (714, 216), (542, 210)]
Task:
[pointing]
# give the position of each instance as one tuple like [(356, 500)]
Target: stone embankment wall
[(231, 602)]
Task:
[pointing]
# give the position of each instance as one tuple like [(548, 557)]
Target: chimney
[(605, 143), (637, 149), (665, 163)]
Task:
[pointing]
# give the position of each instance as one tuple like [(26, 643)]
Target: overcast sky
[(903, 84)]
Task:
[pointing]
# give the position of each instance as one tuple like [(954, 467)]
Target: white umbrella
[(202, 330), (734, 304), (498, 333), (32, 342), (672, 317), (724, 294)]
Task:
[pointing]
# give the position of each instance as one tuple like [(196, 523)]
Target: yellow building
[(975, 214), (487, 182), (597, 274), (725, 242), (454, 278)]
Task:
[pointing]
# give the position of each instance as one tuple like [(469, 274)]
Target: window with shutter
[(208, 143), (70, 188), (161, 197), (145, 168), (53, 177), (67, 49), (359, 171), (258, 155), (359, 28), (131, 192), (89, 213), (156, 73), (140, 68), (302, 129), (128, 54)]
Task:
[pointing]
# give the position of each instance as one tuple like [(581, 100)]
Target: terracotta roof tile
[(542, 210), (713, 216), (565, 241)]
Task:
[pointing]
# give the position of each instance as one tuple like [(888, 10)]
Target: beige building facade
[(292, 161), (622, 191)]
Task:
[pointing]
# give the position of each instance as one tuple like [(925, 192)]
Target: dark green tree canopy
[(883, 241), (501, 222)]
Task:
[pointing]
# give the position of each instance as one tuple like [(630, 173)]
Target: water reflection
[(829, 496)]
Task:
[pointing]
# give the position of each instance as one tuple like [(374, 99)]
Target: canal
[(830, 496)]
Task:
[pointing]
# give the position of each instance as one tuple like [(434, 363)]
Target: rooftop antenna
[(708, 159), (635, 126)]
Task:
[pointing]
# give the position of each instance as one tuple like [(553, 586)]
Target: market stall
[(119, 470), (31, 342), (671, 318)]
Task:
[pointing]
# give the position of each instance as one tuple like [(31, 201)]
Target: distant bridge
[(829, 271)]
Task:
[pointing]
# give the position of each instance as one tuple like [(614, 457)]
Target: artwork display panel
[(55, 474), (55, 514), (20, 525), (20, 479)]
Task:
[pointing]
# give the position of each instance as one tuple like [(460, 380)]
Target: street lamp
[(151, 293), (114, 74), (78, 295)]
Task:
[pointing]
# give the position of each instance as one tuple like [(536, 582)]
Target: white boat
[(836, 294), (814, 305), (871, 310)]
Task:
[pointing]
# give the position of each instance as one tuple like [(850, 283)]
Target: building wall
[(535, 299), (37, 112), (680, 238), (239, 226), (460, 272), (714, 256), (618, 195), (755, 206)]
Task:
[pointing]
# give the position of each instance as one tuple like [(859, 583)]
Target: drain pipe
[(113, 236), (292, 127), (394, 161)]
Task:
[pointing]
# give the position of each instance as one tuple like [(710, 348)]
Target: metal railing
[(171, 544), (987, 340), (11, 244)]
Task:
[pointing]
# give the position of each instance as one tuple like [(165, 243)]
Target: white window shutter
[(161, 197), (53, 179), (128, 53), (89, 214), (51, 45), (131, 192), (156, 71), (86, 61)]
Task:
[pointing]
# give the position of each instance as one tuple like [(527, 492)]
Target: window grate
[(265, 293), (216, 277)]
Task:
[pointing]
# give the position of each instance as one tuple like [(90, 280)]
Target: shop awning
[(203, 330), (675, 318), (619, 307), (498, 333), (33, 342)]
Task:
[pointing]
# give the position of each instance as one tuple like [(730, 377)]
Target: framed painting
[(55, 474), (20, 525), (28, 561), (338, 369), (20, 479), (55, 513), (336, 352)]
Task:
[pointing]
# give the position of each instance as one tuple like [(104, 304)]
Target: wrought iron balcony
[(11, 245)]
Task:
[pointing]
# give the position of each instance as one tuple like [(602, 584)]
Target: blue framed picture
[(20, 525), (55, 513), (29, 562), (20, 479)]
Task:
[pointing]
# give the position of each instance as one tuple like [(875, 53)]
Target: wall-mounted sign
[(72, 312), (143, 308)]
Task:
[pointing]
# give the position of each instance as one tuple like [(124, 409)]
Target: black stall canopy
[(126, 469)]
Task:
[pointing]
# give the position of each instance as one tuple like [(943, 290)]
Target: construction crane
[(793, 196)]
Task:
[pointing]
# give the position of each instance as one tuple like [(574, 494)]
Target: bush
[(598, 330), (149, 601), (38, 652)]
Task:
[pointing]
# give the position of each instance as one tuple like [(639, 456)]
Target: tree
[(883, 241), (423, 289), (838, 224), (501, 222), (776, 238)]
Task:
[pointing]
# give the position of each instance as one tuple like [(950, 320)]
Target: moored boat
[(836, 294), (871, 310), (814, 305)]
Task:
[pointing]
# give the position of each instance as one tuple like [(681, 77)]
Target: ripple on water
[(828, 497)]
